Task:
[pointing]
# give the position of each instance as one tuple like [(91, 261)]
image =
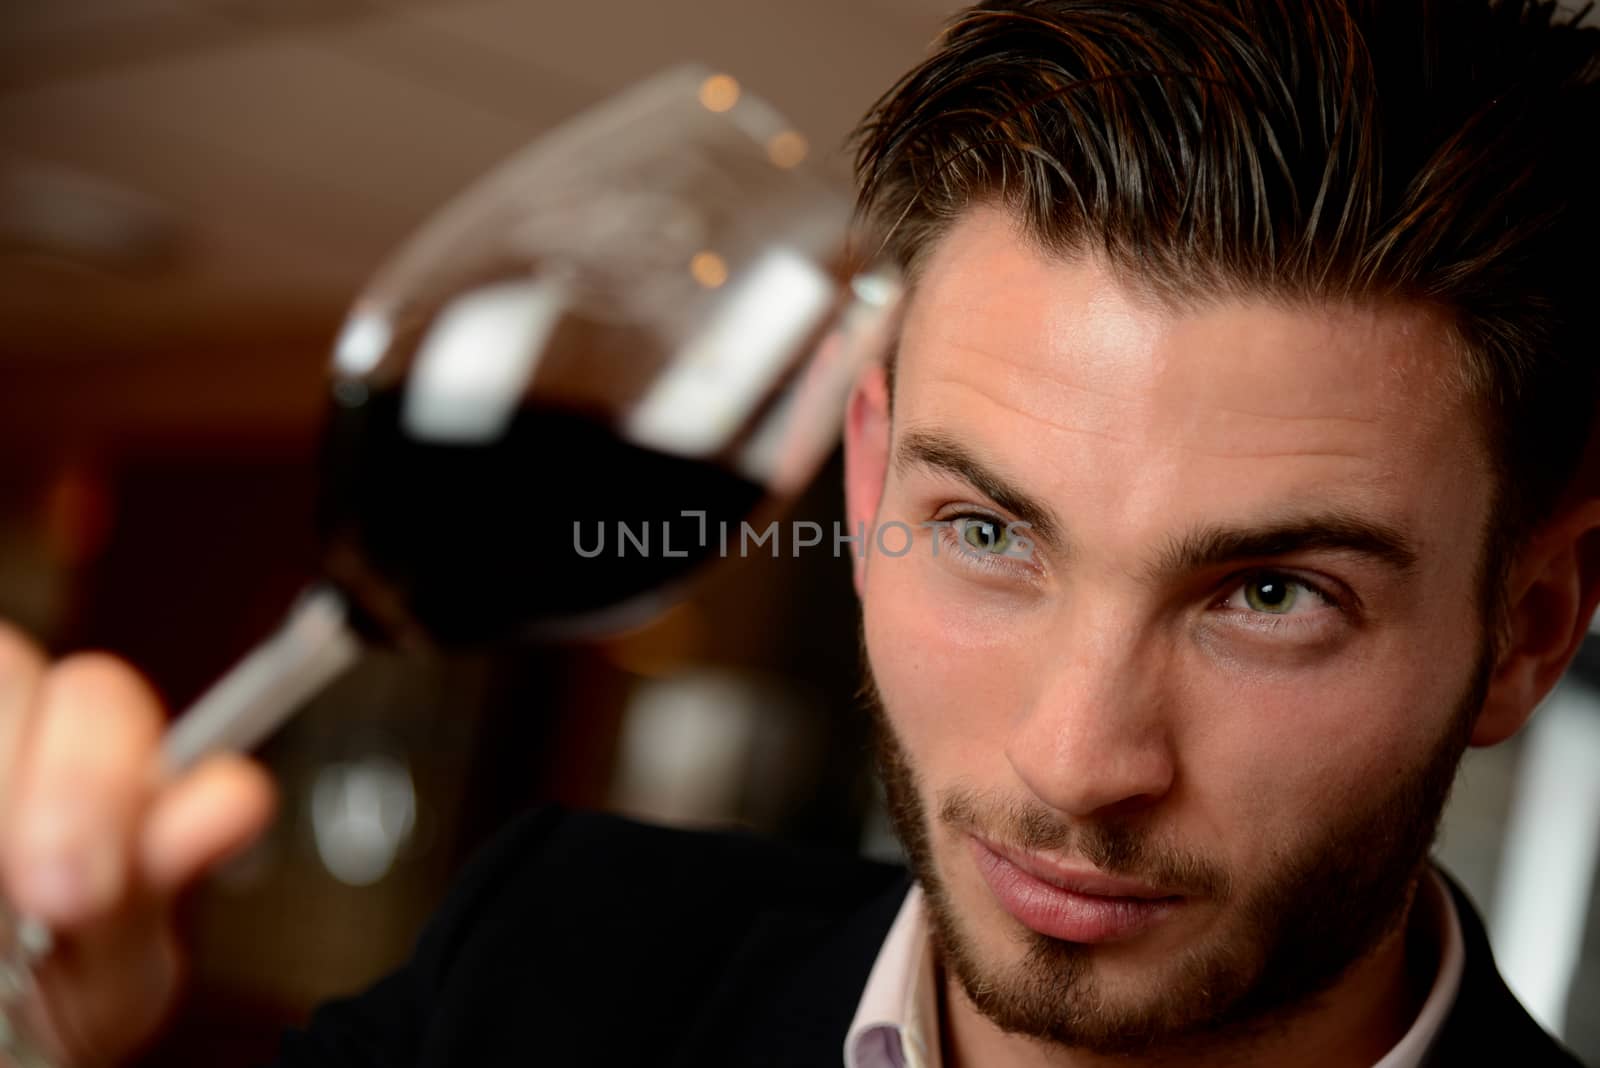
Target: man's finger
[(196, 823), (84, 773)]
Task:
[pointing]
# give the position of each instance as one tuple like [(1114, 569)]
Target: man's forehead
[(996, 323), (1137, 419)]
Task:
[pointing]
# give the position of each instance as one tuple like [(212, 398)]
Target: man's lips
[(1079, 880), (1072, 904)]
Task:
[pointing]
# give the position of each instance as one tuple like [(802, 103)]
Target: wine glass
[(558, 399)]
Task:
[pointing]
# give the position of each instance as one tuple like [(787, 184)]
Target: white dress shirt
[(896, 1024)]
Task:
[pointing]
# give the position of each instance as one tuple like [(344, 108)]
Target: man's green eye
[(985, 536), (1274, 594)]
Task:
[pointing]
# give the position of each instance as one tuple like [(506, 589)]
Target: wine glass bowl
[(548, 406)]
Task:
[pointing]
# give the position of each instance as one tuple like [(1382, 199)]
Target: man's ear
[(1552, 593), (866, 458)]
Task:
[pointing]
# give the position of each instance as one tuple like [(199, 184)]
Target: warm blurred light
[(787, 149), (362, 813), (362, 343), (708, 268), (719, 92), (477, 358), (77, 514), (1547, 866), (875, 288), (726, 368), (686, 746)]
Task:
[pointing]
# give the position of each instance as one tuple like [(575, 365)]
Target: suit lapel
[(1487, 1025)]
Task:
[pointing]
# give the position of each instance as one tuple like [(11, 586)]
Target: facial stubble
[(1333, 897)]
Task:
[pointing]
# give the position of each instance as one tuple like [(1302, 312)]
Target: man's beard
[(1333, 896)]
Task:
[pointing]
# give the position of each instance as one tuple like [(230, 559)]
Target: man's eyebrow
[(1200, 549), (941, 452), (1338, 531)]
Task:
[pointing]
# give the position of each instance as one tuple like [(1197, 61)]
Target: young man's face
[(1235, 667)]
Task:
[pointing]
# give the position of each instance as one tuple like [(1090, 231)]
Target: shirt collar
[(896, 1024), (897, 1020), (1435, 900)]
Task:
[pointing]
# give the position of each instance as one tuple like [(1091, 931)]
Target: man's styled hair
[(1446, 153)]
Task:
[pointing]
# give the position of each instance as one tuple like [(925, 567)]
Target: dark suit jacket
[(580, 939)]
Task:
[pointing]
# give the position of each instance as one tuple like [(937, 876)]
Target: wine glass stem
[(312, 648)]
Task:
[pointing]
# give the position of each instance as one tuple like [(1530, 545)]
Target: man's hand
[(96, 844)]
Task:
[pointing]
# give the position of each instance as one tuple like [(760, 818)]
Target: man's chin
[(1107, 1000), (1114, 998), (1160, 978)]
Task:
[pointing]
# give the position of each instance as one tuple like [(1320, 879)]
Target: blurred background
[(191, 192)]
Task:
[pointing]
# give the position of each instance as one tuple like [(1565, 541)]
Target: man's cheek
[(949, 701), (1340, 743)]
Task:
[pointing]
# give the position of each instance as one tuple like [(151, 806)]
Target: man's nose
[(1096, 739)]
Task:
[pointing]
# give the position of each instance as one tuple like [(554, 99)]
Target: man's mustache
[(1121, 849)]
